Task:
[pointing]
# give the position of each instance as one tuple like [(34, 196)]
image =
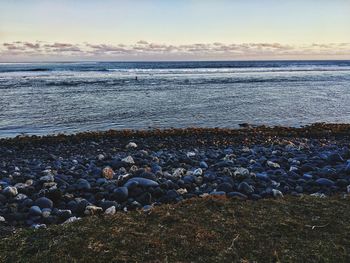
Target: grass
[(197, 230)]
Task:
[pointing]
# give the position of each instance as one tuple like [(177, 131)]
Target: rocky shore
[(59, 179)]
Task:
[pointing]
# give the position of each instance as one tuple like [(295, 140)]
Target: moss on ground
[(197, 230)]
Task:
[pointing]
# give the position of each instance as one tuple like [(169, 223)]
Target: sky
[(70, 30)]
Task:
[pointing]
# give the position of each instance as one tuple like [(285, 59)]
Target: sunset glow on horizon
[(173, 30)]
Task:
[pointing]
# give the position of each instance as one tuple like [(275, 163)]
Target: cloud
[(158, 51)]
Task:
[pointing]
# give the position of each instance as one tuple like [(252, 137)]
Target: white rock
[(123, 176), (46, 213), (241, 171), (37, 226), (181, 191), (198, 172), (276, 193), (131, 145), (100, 157), (10, 191), (191, 154), (2, 219), (93, 210), (71, 220), (246, 149), (128, 159), (133, 169), (110, 211), (273, 165), (293, 168), (274, 183), (21, 197), (29, 182), (179, 172), (47, 178)]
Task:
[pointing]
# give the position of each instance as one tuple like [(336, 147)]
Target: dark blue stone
[(203, 165), (189, 179), (262, 176), (35, 211), (324, 182), (156, 168), (142, 182), (43, 202), (120, 194), (307, 176), (83, 184), (245, 188)]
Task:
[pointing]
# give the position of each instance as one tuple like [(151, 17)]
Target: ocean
[(50, 98)]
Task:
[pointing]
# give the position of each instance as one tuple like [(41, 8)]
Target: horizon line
[(166, 61)]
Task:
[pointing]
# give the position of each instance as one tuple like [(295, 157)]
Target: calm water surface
[(46, 98)]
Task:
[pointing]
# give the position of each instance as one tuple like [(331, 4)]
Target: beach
[(225, 182), (51, 179)]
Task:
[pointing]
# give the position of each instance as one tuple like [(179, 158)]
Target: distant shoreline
[(315, 130)]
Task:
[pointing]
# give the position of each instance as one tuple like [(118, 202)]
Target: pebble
[(182, 191), (245, 188), (120, 194), (128, 159), (43, 202), (241, 172), (179, 172), (142, 182), (100, 157), (324, 182), (10, 191), (131, 145), (191, 154), (71, 220), (111, 210), (273, 164), (198, 172), (203, 165), (93, 210), (35, 211), (277, 193), (108, 173), (83, 184), (38, 226), (47, 178)]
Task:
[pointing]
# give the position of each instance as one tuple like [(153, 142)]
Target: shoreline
[(314, 130)]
